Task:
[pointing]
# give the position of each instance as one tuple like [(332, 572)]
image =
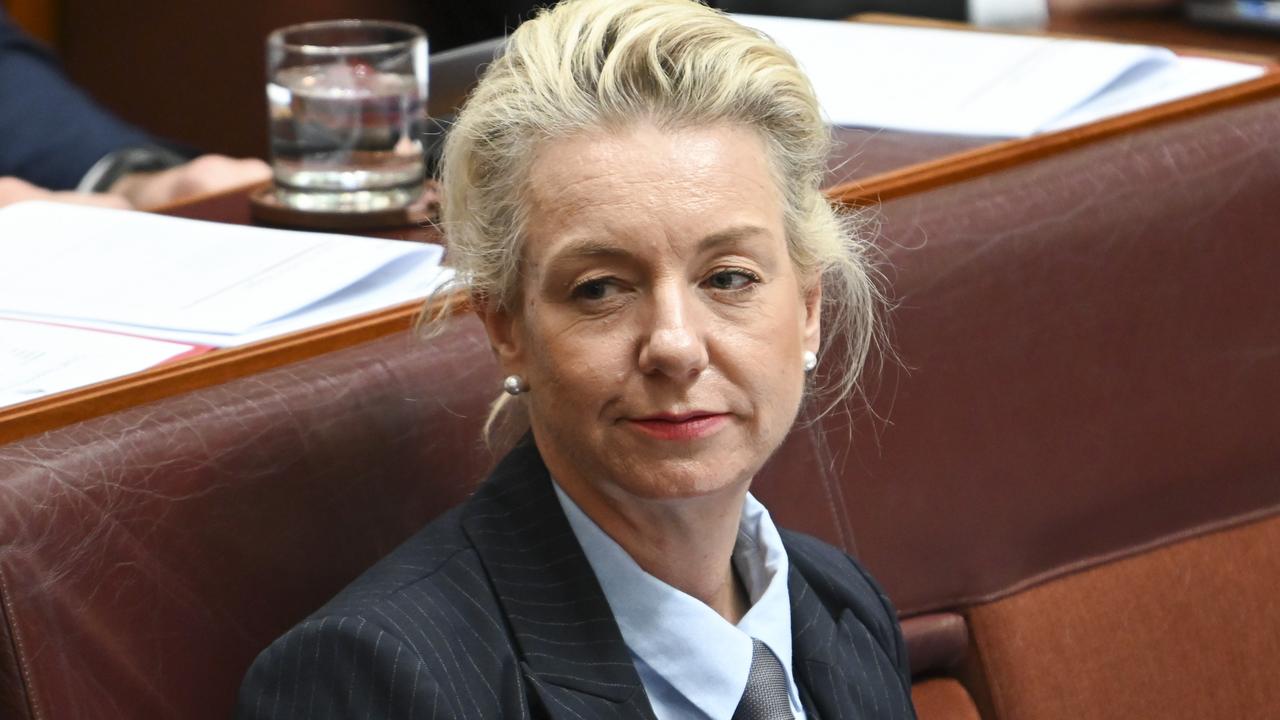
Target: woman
[(633, 194)]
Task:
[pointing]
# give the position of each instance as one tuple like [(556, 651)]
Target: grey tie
[(766, 695)]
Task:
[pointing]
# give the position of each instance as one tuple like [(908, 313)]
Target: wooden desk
[(1170, 30), (867, 167), (227, 114)]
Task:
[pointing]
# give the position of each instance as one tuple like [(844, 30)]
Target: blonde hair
[(601, 64)]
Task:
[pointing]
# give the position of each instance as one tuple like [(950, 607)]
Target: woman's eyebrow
[(730, 236), (598, 248), (588, 247)]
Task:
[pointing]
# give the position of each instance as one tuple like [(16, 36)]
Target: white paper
[(1184, 77), (193, 281), (38, 359), (157, 273), (356, 300), (975, 83)]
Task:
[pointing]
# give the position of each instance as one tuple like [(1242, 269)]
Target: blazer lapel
[(835, 661), (571, 649), (814, 635)]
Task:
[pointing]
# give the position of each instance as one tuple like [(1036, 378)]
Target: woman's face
[(661, 327)]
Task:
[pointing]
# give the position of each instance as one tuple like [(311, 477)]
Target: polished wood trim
[(1003, 154), (176, 207), (1166, 32), (200, 371), (998, 156), (228, 364), (1171, 31), (216, 367)]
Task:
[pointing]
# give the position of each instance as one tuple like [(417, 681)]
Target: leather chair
[(1071, 497), (146, 557), (1078, 451)]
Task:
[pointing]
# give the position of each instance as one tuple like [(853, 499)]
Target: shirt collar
[(700, 654)]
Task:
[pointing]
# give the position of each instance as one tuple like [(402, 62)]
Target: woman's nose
[(674, 344)]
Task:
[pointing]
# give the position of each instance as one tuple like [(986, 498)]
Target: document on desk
[(193, 281), (983, 84), (38, 359)]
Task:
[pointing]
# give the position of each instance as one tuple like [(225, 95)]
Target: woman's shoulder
[(428, 557), (397, 632)]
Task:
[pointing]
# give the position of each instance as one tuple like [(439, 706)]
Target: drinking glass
[(347, 103)]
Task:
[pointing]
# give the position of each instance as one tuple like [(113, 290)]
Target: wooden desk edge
[(209, 369), (222, 366), (979, 161), (911, 21)]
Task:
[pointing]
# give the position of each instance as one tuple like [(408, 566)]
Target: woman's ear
[(504, 331), (813, 315)]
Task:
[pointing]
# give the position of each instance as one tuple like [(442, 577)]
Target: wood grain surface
[(908, 164)]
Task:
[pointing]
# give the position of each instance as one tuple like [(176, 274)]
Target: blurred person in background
[(57, 144)]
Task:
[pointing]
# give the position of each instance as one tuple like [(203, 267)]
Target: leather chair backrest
[(1079, 446), (1088, 370), (1086, 365), (146, 557)]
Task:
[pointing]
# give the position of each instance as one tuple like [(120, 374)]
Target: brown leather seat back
[(1088, 361), (146, 557), (1089, 371)]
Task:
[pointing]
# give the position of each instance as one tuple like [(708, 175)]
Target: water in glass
[(346, 136)]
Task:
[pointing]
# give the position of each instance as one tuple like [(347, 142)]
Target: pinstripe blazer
[(492, 611)]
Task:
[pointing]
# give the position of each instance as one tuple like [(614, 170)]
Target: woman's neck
[(687, 543)]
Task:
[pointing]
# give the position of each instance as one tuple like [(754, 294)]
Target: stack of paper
[(38, 359), (145, 278), (983, 84)]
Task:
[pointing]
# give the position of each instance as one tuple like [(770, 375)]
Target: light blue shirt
[(694, 663)]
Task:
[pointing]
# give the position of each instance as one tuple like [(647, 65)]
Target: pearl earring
[(810, 360), (514, 385)]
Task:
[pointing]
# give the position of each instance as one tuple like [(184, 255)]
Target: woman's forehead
[(696, 180), (643, 153)]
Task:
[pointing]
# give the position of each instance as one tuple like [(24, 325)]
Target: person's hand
[(14, 190), (1093, 7), (206, 174)]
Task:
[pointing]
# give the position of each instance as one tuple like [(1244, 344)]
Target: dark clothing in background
[(51, 132)]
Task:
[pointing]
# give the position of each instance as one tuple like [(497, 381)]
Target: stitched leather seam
[(18, 648)]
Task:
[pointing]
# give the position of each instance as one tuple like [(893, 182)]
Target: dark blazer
[(492, 611), (51, 133)]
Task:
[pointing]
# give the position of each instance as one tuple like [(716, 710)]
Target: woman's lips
[(680, 427)]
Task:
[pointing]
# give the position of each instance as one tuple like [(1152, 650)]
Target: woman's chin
[(624, 461), (683, 480)]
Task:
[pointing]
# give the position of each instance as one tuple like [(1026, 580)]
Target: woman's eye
[(598, 289), (732, 280)]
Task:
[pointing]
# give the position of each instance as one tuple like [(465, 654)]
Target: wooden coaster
[(267, 209)]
